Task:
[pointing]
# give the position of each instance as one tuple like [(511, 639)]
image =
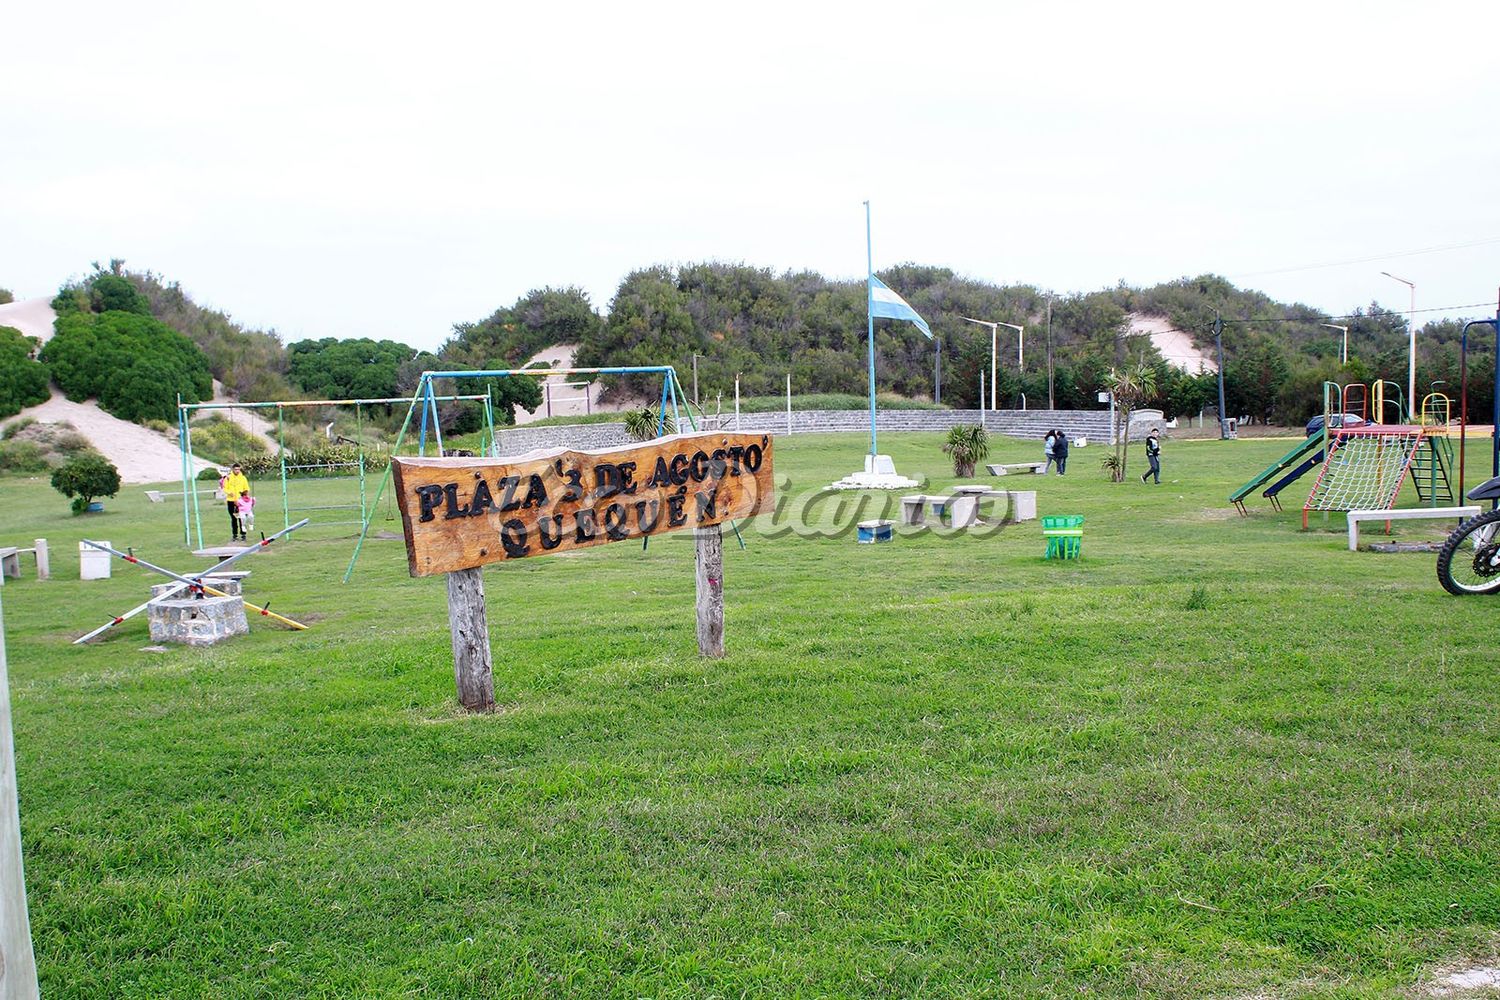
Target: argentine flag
[(884, 302)]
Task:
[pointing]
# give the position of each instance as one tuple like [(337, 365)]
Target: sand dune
[(141, 455), (33, 317)]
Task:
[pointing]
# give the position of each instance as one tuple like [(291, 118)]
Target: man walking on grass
[(1153, 455), (233, 486)]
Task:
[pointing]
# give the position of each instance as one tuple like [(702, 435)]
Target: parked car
[(1337, 420)]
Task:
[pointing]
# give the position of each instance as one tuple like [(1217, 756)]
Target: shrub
[(317, 459), (23, 382), (967, 444), (114, 292), (642, 424), (84, 477), (159, 426), (68, 442), (22, 456), (6, 297), (55, 441), (209, 475), (225, 441), (346, 369), (135, 365)]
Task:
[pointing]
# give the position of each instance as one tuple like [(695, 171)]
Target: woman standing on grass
[(1060, 451), (1048, 453)]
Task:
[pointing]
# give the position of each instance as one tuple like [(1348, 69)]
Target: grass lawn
[(1217, 756)]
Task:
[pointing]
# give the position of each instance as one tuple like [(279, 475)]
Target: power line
[(1368, 259)]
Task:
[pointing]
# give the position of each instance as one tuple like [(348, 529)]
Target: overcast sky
[(389, 170)]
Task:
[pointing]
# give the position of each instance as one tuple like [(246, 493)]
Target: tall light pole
[(995, 351), (695, 377), (937, 373), (1411, 330), (1051, 402), (1335, 326)]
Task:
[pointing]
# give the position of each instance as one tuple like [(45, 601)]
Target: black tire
[(1478, 565)]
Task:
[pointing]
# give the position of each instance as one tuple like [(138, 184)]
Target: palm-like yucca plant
[(1131, 387), (641, 424), (967, 444)]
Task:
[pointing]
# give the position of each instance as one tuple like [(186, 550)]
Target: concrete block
[(196, 621)]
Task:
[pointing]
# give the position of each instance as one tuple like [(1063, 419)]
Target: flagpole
[(870, 318)]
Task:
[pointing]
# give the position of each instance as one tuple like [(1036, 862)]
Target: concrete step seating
[(961, 508), (1403, 514)]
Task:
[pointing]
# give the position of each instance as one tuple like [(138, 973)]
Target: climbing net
[(1364, 470)]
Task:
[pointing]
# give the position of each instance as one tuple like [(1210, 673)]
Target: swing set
[(425, 400), (289, 466)]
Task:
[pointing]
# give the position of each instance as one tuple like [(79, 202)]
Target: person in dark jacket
[(1060, 451), (1153, 455)]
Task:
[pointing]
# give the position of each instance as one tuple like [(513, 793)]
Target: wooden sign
[(459, 513)]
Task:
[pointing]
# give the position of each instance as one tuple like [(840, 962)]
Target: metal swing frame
[(192, 518), (425, 397)]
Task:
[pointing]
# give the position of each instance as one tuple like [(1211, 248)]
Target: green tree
[(1253, 381), (509, 336), (1131, 386), (114, 292), (85, 476), (347, 369), (508, 394)]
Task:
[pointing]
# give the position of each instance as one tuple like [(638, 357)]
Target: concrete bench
[(160, 496), (962, 509), (1404, 514), (10, 560), (1013, 468)]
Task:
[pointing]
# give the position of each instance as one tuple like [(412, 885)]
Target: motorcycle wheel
[(1469, 562)]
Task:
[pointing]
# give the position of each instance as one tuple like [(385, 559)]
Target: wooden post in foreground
[(471, 640), (709, 542), (17, 964)]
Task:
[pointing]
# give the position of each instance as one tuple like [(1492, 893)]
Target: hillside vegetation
[(23, 381), (762, 325), (108, 346)]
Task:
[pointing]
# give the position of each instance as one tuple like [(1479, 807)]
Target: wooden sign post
[(459, 514)]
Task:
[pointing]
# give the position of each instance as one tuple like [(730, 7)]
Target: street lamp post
[(695, 377), (1344, 358), (995, 352), (937, 373), (1411, 331)]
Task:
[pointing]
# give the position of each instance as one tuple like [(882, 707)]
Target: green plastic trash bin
[(1064, 534)]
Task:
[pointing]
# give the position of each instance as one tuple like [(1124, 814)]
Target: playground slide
[(1303, 453), (1294, 475)]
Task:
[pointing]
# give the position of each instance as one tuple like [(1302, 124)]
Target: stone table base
[(197, 622)]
